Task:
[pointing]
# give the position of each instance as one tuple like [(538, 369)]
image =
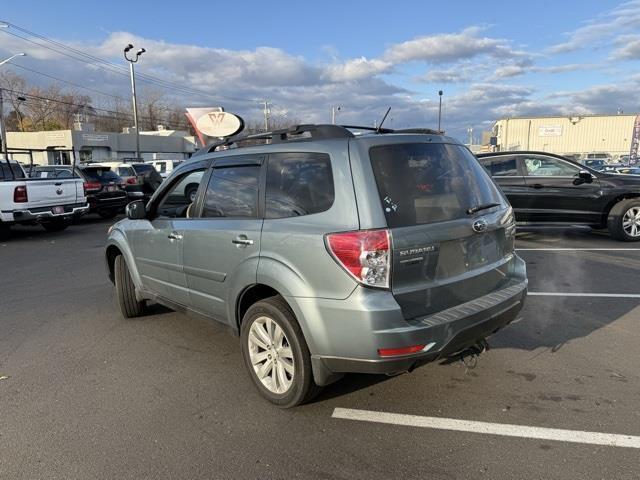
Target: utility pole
[(440, 110), (267, 113), (3, 131), (470, 132), (133, 93)]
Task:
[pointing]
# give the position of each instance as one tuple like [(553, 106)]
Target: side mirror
[(583, 176), (136, 210)]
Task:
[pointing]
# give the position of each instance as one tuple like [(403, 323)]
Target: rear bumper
[(344, 335), (98, 203), (448, 339), (46, 213)]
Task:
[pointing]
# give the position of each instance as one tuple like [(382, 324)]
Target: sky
[(492, 59)]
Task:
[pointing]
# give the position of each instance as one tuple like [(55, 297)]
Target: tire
[(108, 214), (298, 386), (130, 306), (5, 232), (56, 225), (624, 220), (190, 192)]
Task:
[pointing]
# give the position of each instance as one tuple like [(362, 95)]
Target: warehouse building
[(60, 147), (573, 135)]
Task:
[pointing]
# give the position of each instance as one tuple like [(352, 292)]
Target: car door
[(506, 172), (556, 192), (158, 243), (222, 242)]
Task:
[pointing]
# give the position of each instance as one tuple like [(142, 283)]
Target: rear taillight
[(20, 194), (132, 181), (365, 254), (92, 186)]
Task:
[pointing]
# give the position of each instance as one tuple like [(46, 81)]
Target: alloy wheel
[(271, 355), (631, 222)]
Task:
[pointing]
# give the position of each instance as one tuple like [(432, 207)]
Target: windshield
[(425, 183)]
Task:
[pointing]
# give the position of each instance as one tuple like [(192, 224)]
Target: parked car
[(597, 164), (104, 189), (544, 188), (328, 254), (598, 156), (624, 159), (165, 167), (50, 202), (629, 170)]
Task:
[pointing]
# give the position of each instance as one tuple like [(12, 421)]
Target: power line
[(69, 83)]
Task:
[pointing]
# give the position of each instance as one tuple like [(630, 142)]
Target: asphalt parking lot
[(87, 394)]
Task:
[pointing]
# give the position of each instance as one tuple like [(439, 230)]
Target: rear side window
[(425, 183), (10, 170), (298, 184), (232, 192), (126, 172), (501, 166), (142, 168)]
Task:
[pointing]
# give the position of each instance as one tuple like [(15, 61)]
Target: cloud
[(456, 74), (356, 69), (447, 47), (628, 47), (624, 17), (514, 70), (604, 98)]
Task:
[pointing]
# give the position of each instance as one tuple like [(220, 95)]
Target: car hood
[(619, 180)]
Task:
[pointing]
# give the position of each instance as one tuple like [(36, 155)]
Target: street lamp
[(133, 92), (440, 110), (334, 112), (3, 131)]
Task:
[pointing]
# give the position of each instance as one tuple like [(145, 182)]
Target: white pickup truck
[(51, 202)]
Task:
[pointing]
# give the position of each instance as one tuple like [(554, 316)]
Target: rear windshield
[(425, 183), (100, 174), (142, 168)]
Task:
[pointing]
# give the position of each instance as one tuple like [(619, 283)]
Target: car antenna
[(383, 119)]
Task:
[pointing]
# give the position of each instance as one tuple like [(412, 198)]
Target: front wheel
[(130, 306), (624, 220), (276, 354)]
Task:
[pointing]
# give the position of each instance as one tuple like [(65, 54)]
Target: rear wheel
[(4, 232), (190, 192), (130, 306), (276, 354), (56, 225), (107, 214), (624, 220)]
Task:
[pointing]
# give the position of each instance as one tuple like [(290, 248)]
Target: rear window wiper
[(477, 208)]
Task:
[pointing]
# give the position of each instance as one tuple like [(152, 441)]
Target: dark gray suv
[(327, 252)]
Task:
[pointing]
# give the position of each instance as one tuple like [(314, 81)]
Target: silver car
[(327, 253)]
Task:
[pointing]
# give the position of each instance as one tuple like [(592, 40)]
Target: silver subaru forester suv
[(327, 252)]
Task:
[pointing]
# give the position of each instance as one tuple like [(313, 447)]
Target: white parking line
[(507, 430), (553, 249), (599, 295)]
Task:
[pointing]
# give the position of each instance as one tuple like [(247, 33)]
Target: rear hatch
[(452, 230), (102, 181)]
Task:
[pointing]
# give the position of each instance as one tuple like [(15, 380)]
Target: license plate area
[(57, 210), (111, 188)]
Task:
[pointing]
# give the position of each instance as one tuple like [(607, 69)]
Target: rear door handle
[(242, 240), (537, 186), (175, 236)]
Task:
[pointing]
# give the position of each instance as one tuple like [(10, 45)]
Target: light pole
[(3, 131), (440, 110), (133, 92), (334, 112)]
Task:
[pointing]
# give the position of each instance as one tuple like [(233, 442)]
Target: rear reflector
[(395, 352), (365, 254), (20, 194)]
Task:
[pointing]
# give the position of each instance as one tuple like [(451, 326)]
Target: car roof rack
[(307, 132)]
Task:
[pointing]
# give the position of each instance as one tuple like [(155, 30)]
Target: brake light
[(20, 194), (364, 254), (132, 181), (92, 186), (396, 352)]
